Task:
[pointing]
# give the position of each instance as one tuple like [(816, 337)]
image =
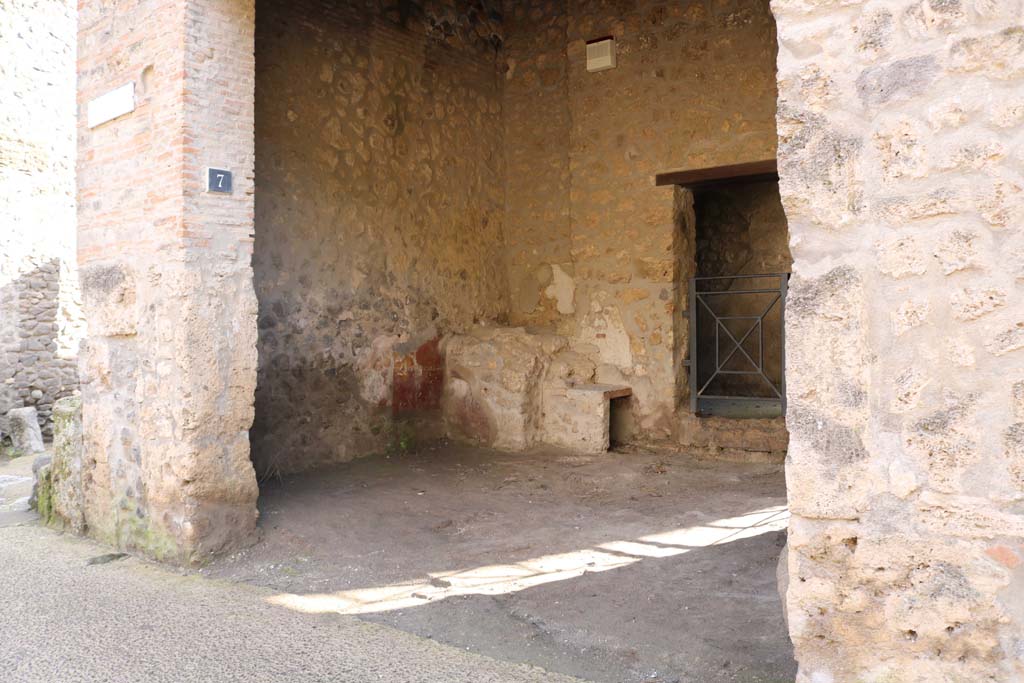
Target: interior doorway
[(737, 297)]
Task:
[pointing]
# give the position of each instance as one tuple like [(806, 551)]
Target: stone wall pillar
[(901, 175), (169, 368)]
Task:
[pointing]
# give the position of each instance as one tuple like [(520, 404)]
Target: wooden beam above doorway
[(716, 176)]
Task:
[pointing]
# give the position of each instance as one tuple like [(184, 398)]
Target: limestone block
[(1000, 55), (958, 249), (26, 437), (970, 303), (493, 382), (66, 469), (109, 293), (1006, 338), (578, 417), (910, 314), (901, 79), (40, 473), (901, 257), (782, 581), (1017, 394)]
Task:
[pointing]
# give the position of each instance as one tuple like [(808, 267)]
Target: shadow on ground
[(624, 567)]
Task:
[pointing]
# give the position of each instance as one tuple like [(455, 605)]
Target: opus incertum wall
[(900, 130)]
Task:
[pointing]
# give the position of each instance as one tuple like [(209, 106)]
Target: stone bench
[(578, 416)]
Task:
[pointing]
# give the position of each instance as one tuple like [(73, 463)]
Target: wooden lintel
[(703, 178)]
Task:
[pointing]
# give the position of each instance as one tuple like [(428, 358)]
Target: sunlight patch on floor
[(510, 578)]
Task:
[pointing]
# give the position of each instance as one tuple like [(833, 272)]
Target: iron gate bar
[(738, 344), (697, 301), (742, 398), (742, 291), (760, 348)]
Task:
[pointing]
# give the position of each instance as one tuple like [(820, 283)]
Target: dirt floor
[(625, 567)]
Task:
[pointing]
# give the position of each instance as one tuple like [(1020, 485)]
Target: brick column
[(169, 368)]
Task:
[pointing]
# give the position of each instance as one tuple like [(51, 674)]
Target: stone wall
[(169, 365), (741, 230), (41, 323), (379, 212), (538, 119), (694, 87), (899, 128)]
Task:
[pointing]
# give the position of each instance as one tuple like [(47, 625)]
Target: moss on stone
[(44, 496), (140, 534)]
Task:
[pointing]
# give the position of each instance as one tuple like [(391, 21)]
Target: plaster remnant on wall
[(602, 330), (562, 289)]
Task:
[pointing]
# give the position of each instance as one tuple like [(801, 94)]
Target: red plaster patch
[(1004, 555), (418, 379)]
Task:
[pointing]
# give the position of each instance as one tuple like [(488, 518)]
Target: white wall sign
[(111, 105)]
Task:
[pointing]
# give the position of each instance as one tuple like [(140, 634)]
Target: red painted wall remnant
[(418, 379)]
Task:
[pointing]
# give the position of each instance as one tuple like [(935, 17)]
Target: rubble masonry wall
[(900, 128), (41, 322), (379, 212)]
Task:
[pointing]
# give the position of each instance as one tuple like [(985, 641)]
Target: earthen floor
[(632, 566)]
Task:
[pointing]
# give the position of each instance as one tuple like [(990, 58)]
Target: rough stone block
[(26, 436), (578, 417), (782, 581), (40, 474), (493, 381), (1017, 397), (109, 292), (901, 79), (66, 468)]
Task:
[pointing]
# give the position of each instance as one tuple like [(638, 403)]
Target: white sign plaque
[(115, 103)]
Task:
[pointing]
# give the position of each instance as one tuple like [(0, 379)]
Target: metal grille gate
[(733, 371)]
